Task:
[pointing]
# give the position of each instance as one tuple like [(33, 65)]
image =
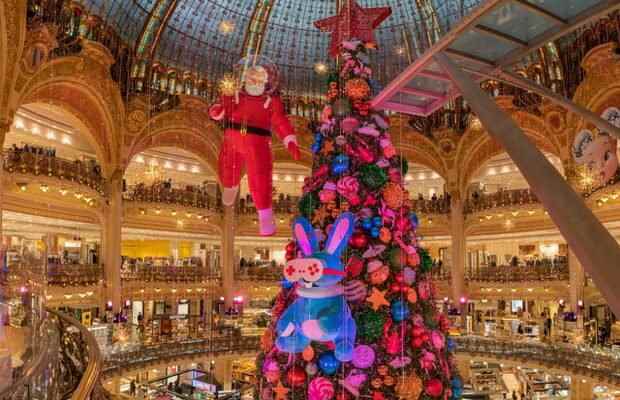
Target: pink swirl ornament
[(320, 389), (363, 356)]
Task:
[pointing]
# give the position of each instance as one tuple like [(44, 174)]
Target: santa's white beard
[(255, 90)]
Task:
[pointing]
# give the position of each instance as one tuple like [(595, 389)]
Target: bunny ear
[(341, 233), (304, 234)]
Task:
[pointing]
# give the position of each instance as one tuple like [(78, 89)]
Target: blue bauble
[(374, 232), (400, 310), (377, 221), (414, 220), (457, 387), (315, 148), (340, 164), (367, 224), (328, 363), (286, 284), (451, 344)]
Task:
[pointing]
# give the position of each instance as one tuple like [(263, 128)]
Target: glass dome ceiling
[(192, 37)]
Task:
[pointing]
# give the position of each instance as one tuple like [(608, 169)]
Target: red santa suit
[(248, 122)]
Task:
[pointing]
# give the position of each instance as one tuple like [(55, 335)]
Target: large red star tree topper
[(353, 22)]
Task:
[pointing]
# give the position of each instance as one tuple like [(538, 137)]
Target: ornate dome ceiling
[(208, 36)]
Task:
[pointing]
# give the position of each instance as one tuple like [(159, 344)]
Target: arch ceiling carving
[(83, 86), (188, 128), (476, 147), (12, 37), (418, 148), (600, 88)]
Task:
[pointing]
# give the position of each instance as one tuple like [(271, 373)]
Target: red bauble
[(433, 387), (354, 266), (296, 376), (343, 396), (289, 256), (418, 331), (290, 247), (378, 396), (358, 240), (417, 342)]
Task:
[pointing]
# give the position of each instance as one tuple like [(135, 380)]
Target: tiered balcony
[(46, 165), (539, 272), (168, 274), (159, 194), (501, 199)]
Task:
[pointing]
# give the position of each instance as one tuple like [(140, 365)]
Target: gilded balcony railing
[(66, 363), (31, 163), (599, 363), (503, 198), (182, 274), (547, 270), (158, 193), (216, 346)]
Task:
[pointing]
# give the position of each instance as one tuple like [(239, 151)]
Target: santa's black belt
[(244, 129)]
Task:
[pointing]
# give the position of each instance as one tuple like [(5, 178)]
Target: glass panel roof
[(516, 21), (565, 9)]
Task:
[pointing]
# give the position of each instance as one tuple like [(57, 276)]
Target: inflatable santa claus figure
[(249, 117)]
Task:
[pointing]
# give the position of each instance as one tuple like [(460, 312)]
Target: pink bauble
[(271, 370), (349, 124), (437, 339), (433, 387), (363, 356), (320, 389)]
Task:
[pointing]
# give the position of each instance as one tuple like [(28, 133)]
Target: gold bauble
[(409, 387), (393, 195)]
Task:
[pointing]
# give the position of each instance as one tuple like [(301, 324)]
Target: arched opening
[(54, 192), (171, 199)]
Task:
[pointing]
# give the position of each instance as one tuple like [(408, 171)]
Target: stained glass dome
[(208, 36)]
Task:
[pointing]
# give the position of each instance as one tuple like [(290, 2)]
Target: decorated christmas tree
[(356, 316)]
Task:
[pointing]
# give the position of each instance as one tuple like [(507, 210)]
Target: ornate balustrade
[(158, 193), (263, 274), (441, 273), (600, 364), (504, 198), (65, 363), (24, 162), (58, 274), (216, 346), (545, 271), (281, 205), (431, 206), (74, 274), (184, 274)]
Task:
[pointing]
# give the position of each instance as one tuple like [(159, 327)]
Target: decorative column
[(592, 243), (457, 269), (111, 241), (576, 277), (223, 371), (228, 255), (5, 127)]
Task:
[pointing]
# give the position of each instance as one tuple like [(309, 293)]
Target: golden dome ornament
[(228, 85), (408, 387)]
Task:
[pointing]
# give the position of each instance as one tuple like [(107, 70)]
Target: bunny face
[(319, 268)]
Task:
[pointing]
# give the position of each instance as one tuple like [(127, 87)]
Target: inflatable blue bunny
[(320, 312)]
